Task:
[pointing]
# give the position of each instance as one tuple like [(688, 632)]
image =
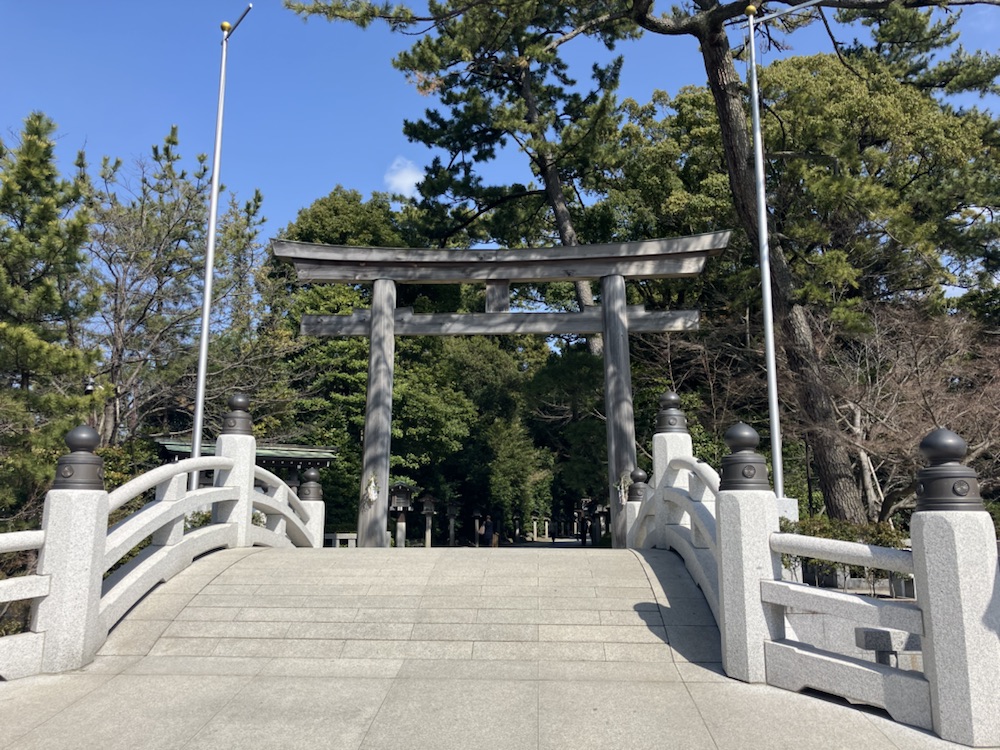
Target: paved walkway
[(545, 647)]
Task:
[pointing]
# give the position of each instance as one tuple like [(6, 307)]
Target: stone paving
[(527, 647)]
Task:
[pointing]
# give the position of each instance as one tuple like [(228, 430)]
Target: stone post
[(170, 492), (637, 491), (671, 440), (428, 502), (236, 441), (311, 496), (957, 587), (401, 530), (746, 516), (452, 513), (75, 521)]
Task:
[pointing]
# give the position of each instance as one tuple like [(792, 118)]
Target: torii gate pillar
[(618, 408), (373, 508)]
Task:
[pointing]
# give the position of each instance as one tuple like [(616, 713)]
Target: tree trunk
[(549, 173), (834, 469)]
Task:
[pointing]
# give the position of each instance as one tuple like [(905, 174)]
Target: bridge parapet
[(82, 587), (728, 535)]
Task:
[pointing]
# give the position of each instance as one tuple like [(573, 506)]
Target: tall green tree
[(43, 362), (147, 252), (835, 460)]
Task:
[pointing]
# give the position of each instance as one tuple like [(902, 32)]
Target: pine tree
[(42, 230)]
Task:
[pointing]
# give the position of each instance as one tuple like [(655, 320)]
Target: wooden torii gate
[(384, 268)]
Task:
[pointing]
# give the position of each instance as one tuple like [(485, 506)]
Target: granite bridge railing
[(81, 587), (796, 636)]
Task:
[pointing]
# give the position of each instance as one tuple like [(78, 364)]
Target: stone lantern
[(400, 501)]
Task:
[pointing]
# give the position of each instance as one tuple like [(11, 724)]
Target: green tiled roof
[(300, 456)]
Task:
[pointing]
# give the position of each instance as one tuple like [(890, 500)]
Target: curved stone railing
[(731, 522), (678, 511), (287, 521), (18, 652), (88, 575), (689, 525), (161, 521), (883, 626)]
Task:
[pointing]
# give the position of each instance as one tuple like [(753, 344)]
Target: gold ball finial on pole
[(751, 10), (226, 26)]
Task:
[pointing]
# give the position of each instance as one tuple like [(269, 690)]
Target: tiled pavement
[(528, 647)]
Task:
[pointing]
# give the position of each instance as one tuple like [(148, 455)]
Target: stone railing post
[(311, 497), (958, 589), (637, 491), (75, 521), (236, 441), (671, 440), (746, 515)]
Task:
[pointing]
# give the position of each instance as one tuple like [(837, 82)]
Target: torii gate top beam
[(648, 259)]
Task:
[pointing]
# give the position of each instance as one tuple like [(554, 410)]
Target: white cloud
[(402, 177)]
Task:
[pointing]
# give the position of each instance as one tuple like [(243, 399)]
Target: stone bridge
[(245, 632), (525, 647)]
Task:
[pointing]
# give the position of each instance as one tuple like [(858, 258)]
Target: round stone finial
[(310, 489), (239, 402), (238, 421), (81, 469), (946, 484), (744, 469), (741, 437), (638, 486), (943, 446), (670, 418), (83, 438), (670, 400)]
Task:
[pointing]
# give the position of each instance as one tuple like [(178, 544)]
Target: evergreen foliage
[(43, 359)]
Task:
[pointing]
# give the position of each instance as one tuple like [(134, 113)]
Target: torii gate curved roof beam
[(646, 259)]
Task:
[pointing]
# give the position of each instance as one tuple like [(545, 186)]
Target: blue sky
[(309, 105)]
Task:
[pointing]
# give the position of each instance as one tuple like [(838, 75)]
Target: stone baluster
[(311, 496), (958, 589), (75, 521), (236, 441), (746, 517), (671, 440)]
